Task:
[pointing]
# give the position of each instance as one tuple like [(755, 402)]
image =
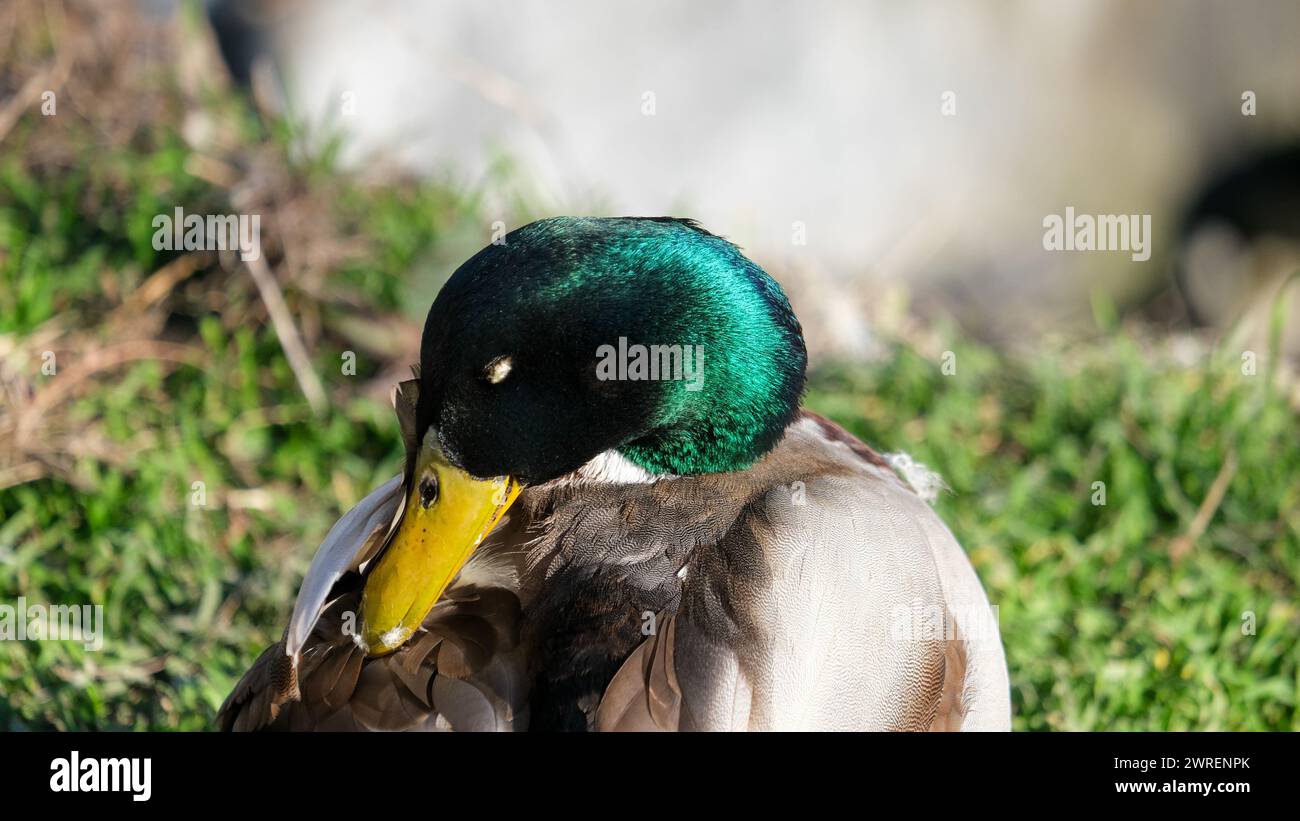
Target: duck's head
[(647, 344)]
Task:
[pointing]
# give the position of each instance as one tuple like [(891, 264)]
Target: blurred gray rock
[(823, 123)]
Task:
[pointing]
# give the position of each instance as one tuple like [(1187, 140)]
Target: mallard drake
[(587, 539)]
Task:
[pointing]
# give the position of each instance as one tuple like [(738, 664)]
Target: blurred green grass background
[(1124, 616)]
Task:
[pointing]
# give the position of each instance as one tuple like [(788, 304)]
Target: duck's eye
[(498, 369), (428, 491)]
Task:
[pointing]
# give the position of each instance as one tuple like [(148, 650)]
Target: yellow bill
[(447, 514)]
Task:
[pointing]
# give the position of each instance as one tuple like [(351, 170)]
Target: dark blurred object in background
[(1241, 246)]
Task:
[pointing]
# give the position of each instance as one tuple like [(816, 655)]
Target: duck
[(615, 514)]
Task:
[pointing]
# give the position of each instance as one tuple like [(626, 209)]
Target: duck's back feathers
[(824, 607)]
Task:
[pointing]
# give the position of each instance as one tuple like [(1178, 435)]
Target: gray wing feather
[(835, 633), (348, 539)]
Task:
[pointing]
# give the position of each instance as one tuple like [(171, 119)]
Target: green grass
[(1105, 626)]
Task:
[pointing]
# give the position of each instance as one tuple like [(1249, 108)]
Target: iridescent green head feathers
[(575, 336)]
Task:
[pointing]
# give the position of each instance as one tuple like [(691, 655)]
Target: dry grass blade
[(287, 332), (51, 78), (1182, 545)]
